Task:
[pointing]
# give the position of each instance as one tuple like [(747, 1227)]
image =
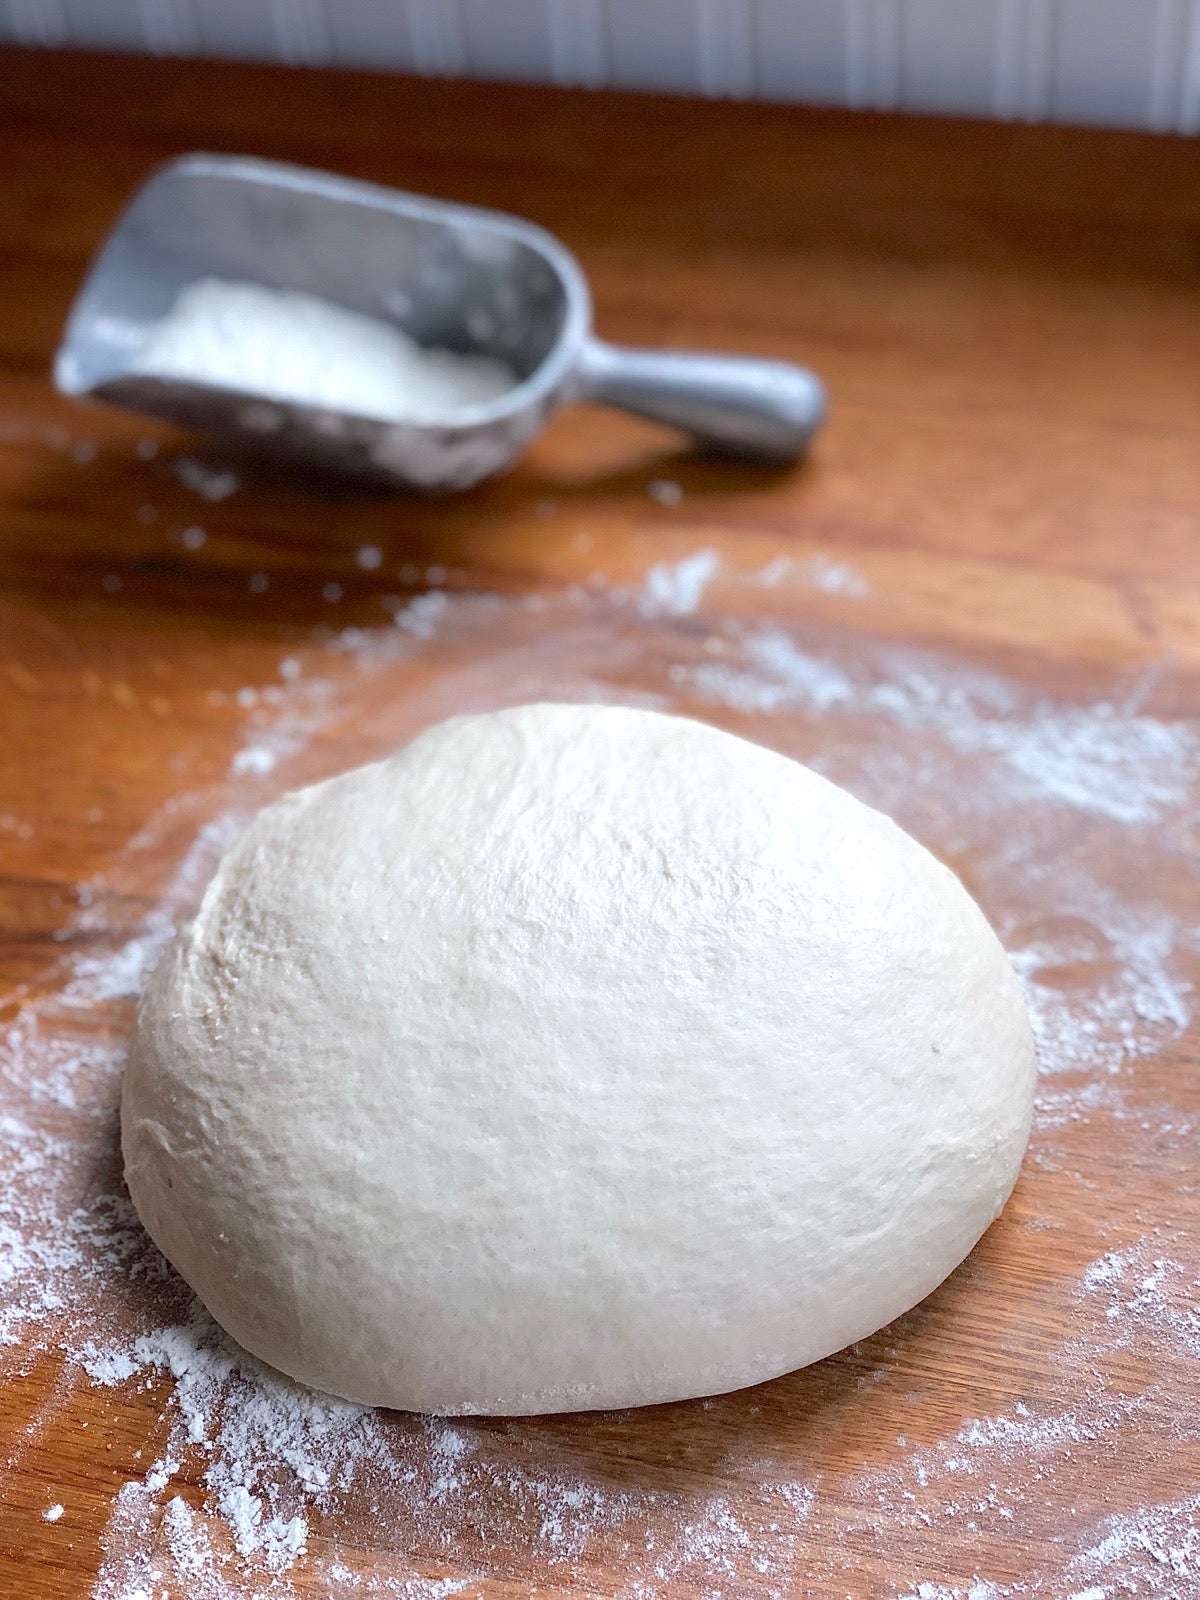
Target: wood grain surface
[(978, 605)]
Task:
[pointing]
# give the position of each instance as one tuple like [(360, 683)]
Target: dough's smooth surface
[(574, 1057)]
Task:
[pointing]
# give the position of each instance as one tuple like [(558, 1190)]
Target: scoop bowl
[(451, 276)]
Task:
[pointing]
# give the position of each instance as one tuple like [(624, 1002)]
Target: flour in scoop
[(295, 347)]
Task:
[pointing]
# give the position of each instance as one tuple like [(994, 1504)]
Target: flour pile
[(295, 347)]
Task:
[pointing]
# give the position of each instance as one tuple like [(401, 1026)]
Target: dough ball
[(574, 1057)]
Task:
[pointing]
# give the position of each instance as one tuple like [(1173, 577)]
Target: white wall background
[(1129, 63)]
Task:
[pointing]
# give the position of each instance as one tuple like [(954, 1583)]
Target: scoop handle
[(738, 405)]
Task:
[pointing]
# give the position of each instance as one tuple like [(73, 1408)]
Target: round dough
[(574, 1057)]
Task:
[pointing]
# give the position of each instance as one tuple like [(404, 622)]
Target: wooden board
[(978, 606)]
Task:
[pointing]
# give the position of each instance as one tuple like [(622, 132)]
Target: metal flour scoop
[(450, 276)]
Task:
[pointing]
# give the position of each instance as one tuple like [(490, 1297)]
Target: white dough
[(574, 1057)]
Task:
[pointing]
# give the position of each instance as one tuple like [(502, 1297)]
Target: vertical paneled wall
[(1129, 63)]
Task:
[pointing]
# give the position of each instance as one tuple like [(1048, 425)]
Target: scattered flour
[(677, 588), (1155, 1550), (1145, 1292), (665, 491), (281, 721), (1119, 764), (833, 577), (209, 482)]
